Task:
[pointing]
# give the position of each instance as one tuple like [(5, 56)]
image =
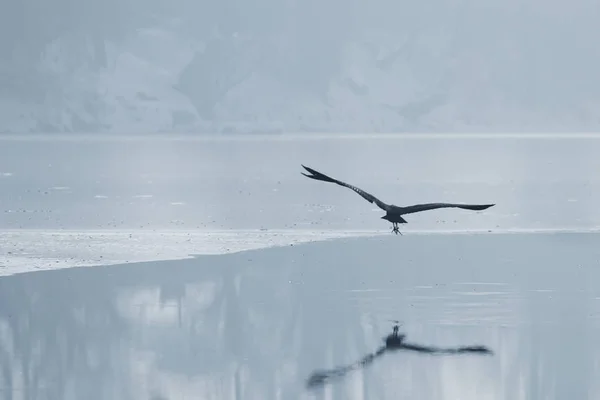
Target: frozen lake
[(68, 200), (72, 183), (246, 307)]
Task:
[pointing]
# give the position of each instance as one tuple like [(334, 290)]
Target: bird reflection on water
[(394, 341)]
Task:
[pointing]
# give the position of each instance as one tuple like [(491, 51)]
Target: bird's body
[(393, 213)]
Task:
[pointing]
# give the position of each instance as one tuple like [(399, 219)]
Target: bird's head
[(385, 217)]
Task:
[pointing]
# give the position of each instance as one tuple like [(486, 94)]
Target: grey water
[(146, 183), (256, 324)]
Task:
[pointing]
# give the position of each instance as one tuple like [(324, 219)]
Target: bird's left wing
[(433, 206), (367, 196)]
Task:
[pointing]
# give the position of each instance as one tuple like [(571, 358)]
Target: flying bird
[(393, 213)]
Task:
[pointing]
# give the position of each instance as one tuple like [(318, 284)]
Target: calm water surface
[(254, 325)]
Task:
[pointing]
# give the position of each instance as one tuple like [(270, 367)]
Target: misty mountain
[(233, 66)]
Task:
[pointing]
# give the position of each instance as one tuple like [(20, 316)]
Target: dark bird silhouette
[(393, 342), (393, 213)]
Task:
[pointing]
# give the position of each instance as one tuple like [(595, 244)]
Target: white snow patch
[(26, 250), (33, 250)]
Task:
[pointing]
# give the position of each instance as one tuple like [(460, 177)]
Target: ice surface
[(97, 200), (33, 250), (256, 183)]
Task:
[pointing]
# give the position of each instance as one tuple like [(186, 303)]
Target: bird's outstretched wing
[(322, 177), (439, 350), (433, 206)]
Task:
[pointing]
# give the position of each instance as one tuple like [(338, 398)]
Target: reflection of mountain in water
[(55, 327), (256, 324)]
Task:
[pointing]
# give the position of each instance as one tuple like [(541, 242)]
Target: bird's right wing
[(367, 196), (433, 206)]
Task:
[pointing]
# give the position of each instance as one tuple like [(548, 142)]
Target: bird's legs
[(395, 228)]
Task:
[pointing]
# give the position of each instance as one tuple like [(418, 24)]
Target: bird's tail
[(317, 175)]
